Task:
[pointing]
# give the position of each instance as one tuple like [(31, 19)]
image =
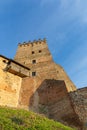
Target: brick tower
[(35, 82), (38, 58)]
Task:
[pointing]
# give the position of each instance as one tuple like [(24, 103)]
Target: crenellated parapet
[(32, 43), (33, 52)]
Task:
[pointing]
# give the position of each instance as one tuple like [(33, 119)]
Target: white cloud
[(65, 12), (75, 8)]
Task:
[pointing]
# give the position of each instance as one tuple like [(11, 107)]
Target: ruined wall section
[(56, 104), (48, 97), (10, 85), (79, 101)]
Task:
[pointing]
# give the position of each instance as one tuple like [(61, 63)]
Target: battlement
[(32, 43), (30, 53)]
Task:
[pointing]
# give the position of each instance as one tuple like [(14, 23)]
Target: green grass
[(13, 119)]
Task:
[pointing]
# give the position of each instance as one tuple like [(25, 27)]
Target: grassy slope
[(11, 119)]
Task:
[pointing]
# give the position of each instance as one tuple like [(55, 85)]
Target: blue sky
[(62, 22)]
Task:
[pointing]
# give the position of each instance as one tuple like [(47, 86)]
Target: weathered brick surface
[(55, 103), (49, 97), (9, 87), (27, 98), (44, 66), (79, 101)]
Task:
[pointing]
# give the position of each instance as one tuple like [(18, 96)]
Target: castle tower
[(35, 55), (38, 58), (32, 53)]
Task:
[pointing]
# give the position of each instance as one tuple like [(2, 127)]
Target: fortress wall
[(79, 101), (49, 97), (27, 98), (55, 103), (50, 70), (62, 75), (10, 85), (45, 70)]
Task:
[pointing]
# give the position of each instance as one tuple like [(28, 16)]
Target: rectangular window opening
[(33, 74), (40, 51), (33, 61), (33, 52)]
